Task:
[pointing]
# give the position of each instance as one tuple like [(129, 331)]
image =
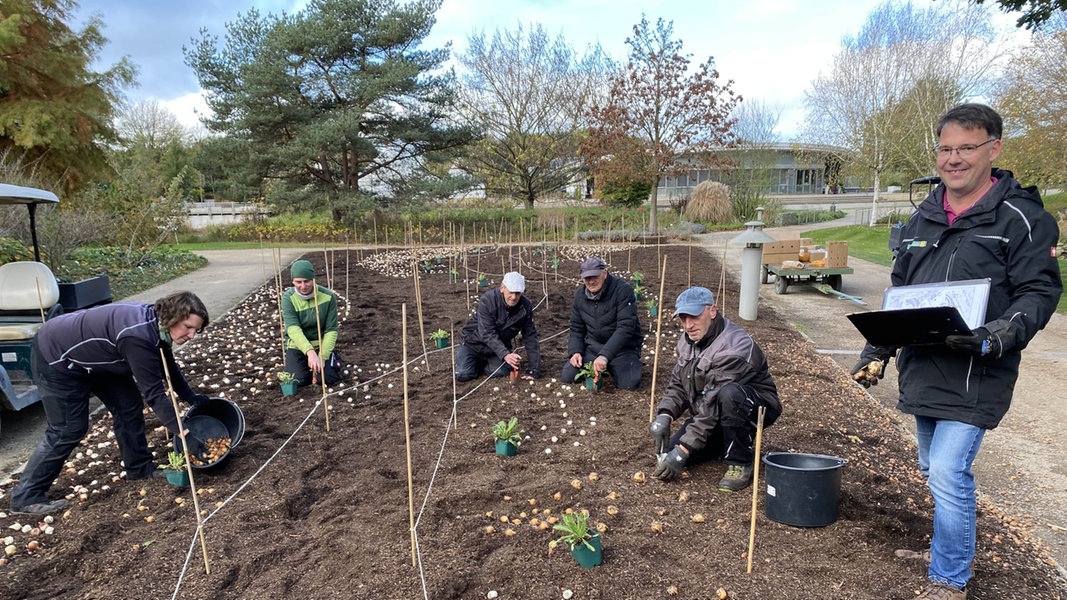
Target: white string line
[(433, 476), (192, 542)]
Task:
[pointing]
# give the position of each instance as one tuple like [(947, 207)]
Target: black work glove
[(981, 342), (661, 432), (671, 465), (198, 399)]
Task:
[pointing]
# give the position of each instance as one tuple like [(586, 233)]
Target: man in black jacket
[(486, 341), (979, 223), (604, 328), (116, 352)]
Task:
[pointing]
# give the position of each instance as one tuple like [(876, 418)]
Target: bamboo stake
[(655, 359), (276, 254), (326, 261), (322, 359), (722, 279), (348, 261), (188, 462), (689, 277), (755, 485), (407, 428), (418, 306), (40, 296), (455, 392)]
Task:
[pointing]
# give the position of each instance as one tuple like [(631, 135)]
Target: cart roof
[(17, 194)]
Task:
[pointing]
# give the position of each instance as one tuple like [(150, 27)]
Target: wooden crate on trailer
[(836, 254)]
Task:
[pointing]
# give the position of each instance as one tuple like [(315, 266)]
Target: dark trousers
[(296, 362), (66, 406), (471, 364), (732, 441), (625, 369)]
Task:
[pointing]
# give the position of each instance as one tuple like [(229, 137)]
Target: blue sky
[(772, 49)]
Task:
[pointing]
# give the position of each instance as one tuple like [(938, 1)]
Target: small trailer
[(784, 277)]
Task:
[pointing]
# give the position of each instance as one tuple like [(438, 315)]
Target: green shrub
[(12, 250)]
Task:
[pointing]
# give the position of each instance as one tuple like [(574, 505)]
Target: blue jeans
[(946, 452)]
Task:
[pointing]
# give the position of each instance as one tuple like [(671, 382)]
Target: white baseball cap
[(514, 282)]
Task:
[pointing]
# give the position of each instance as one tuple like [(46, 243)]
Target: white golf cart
[(29, 296)]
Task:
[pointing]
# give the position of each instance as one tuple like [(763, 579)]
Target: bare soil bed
[(297, 511)]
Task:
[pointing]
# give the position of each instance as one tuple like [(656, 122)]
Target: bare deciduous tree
[(1032, 97), (527, 94), (659, 111), (904, 69), (146, 123)]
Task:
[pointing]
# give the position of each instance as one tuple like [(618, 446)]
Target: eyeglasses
[(965, 151)]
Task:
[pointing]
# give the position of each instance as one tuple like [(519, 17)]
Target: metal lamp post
[(751, 256)]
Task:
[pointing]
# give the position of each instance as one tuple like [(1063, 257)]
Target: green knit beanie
[(302, 269)]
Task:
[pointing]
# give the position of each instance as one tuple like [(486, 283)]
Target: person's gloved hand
[(868, 371), (981, 342), (661, 432), (198, 399), (671, 465), (872, 365)]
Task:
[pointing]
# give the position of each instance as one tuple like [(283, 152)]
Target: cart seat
[(26, 289), (18, 331)]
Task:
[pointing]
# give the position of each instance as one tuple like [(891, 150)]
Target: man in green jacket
[(309, 313)]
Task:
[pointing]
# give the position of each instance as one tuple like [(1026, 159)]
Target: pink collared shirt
[(953, 215)]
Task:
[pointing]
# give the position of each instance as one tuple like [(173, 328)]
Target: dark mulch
[(326, 513)]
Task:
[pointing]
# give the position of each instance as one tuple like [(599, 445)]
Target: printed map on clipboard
[(969, 297)]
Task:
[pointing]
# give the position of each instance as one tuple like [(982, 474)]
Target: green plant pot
[(653, 311), (441, 342), (177, 478), (586, 557), (483, 283), (594, 386), (506, 448), (637, 296), (288, 388)]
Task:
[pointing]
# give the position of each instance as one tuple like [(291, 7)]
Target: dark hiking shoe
[(940, 591), (737, 478), (40, 508)]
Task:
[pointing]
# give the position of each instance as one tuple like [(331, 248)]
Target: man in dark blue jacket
[(979, 223), (604, 328), (486, 341), (115, 352)]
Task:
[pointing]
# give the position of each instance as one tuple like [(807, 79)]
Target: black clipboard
[(910, 326)]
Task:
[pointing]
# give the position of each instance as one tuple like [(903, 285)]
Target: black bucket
[(226, 411), (214, 419), (803, 489), (204, 428)]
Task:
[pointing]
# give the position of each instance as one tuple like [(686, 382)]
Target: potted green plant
[(287, 381), (483, 280), (653, 310), (440, 338), (593, 382), (508, 437), (637, 278), (638, 290), (584, 543), (452, 275), (177, 474)]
